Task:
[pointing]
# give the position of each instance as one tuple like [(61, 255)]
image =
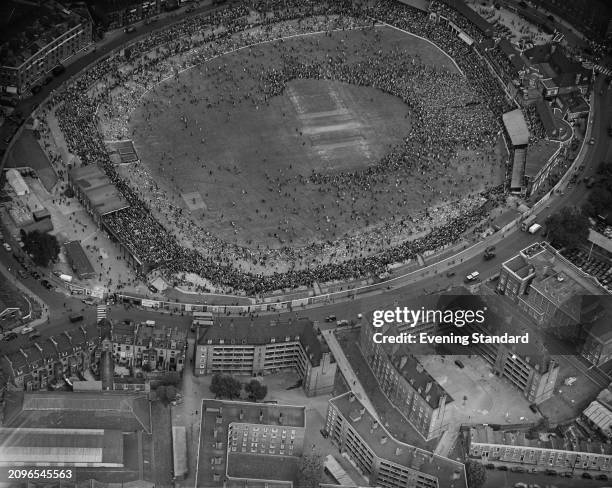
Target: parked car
[(7, 246), (10, 336), (35, 274), (26, 330), (459, 363), (47, 284), (34, 336), (330, 318), (450, 274)]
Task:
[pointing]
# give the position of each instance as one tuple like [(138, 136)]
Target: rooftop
[(78, 410), (449, 472), (515, 124), (102, 194), (78, 259), (66, 446), (26, 28), (217, 415), (486, 435), (263, 330)]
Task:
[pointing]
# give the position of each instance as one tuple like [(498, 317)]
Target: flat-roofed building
[(387, 461), (95, 191), (547, 286), (79, 262), (244, 442), (94, 448), (248, 346), (541, 451)]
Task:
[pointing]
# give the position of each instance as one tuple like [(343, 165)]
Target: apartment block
[(245, 443), (38, 38), (405, 382), (542, 451), (246, 346), (387, 462)]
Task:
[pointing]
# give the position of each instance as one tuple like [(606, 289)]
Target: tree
[(161, 393), (255, 390), (310, 470), (476, 474), (568, 227), (170, 393), (42, 246), (225, 386)]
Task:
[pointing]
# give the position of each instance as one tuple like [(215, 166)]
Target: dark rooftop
[(78, 260), (102, 194), (449, 473), (25, 28), (78, 410), (263, 330)]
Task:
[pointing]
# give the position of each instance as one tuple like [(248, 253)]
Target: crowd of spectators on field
[(438, 136)]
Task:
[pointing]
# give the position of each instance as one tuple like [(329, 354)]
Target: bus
[(528, 222), (202, 319)]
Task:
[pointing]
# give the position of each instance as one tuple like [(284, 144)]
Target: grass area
[(27, 152), (393, 420), (243, 165)]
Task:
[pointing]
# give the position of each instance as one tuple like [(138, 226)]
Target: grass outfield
[(221, 157)]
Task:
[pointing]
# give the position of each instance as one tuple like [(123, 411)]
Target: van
[(472, 276), (150, 323), (459, 363)]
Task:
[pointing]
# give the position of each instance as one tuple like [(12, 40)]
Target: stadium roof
[(97, 187), (515, 124), (127, 412), (65, 447), (449, 473), (474, 17)]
